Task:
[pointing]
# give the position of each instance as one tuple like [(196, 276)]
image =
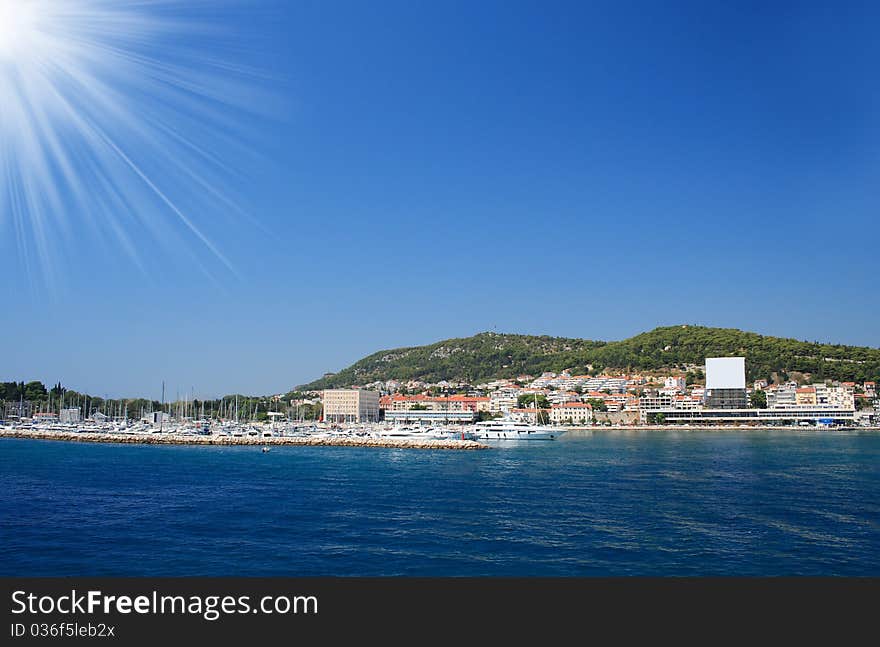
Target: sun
[(119, 121), (19, 27)]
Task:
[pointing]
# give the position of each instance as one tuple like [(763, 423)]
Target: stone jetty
[(177, 439)]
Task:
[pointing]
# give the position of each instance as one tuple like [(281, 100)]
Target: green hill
[(472, 359), (492, 355)]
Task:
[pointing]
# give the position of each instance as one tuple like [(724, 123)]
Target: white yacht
[(402, 431), (506, 429)]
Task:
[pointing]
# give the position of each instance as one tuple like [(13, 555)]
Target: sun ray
[(104, 119)]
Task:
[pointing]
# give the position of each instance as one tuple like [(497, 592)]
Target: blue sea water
[(610, 503)]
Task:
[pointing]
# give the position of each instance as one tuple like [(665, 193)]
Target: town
[(712, 394), (715, 393)]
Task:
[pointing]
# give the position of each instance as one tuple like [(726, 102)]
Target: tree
[(597, 404), (35, 391), (758, 399)]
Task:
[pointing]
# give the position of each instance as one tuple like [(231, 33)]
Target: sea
[(615, 503)]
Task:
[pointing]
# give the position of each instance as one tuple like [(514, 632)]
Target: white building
[(834, 396), (726, 383), (781, 397), (351, 405), (786, 396), (578, 413), (655, 401)]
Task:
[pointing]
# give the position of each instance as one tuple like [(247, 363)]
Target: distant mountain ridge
[(491, 355)]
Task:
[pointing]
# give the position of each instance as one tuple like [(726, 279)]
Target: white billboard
[(725, 372)]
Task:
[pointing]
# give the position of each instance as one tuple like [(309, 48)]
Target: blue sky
[(413, 171)]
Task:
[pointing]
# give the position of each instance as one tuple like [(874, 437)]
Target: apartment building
[(578, 413), (350, 405)]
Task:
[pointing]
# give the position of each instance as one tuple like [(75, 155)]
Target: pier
[(179, 439)]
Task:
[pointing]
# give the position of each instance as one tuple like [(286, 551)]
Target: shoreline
[(717, 428), (221, 441)]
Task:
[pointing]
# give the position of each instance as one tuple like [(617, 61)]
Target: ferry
[(514, 430)]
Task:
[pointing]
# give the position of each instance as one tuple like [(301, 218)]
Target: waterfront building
[(725, 398), (578, 413), (781, 397), (835, 396), (423, 402), (726, 383), (655, 401), (350, 405), (824, 415), (789, 396)]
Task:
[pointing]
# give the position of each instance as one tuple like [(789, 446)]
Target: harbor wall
[(172, 439)]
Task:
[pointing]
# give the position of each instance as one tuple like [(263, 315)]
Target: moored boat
[(506, 429)]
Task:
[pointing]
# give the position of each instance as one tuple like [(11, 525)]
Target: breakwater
[(176, 439)]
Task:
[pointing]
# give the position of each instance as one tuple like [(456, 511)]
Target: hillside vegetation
[(491, 355), (470, 359)]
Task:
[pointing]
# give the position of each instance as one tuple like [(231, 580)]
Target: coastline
[(173, 439), (600, 428)]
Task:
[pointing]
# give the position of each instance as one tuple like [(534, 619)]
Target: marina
[(285, 432)]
